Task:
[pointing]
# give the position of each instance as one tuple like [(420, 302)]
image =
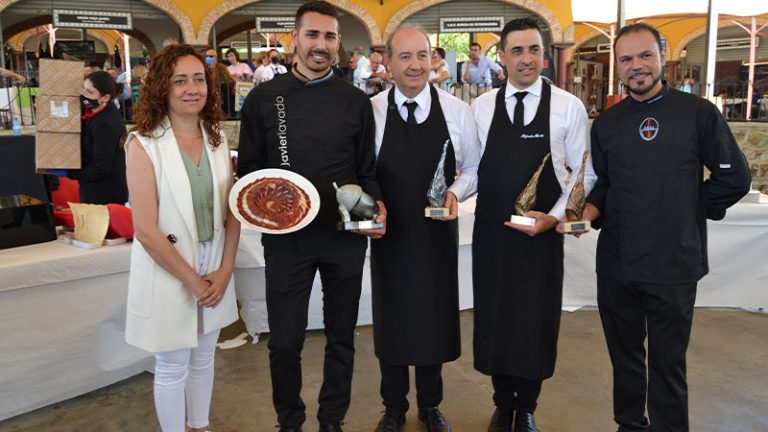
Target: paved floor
[(728, 380)]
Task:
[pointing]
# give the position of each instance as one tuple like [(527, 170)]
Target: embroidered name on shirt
[(534, 136), (282, 131), (649, 128)]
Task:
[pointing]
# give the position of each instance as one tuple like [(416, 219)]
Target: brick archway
[(549, 18), (374, 33), (167, 6)]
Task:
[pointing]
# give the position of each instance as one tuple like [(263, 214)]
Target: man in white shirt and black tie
[(518, 269), (415, 266)]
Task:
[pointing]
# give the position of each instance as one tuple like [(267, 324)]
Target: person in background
[(102, 176), (87, 70), (439, 75), (375, 75), (687, 84), (237, 70), (180, 287), (224, 80), (477, 70), (11, 74), (273, 68)]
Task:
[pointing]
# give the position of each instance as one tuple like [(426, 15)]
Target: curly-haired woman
[(180, 290)]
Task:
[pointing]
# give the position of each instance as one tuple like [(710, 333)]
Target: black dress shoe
[(331, 427), (434, 420), (524, 422), (501, 421), (390, 423)]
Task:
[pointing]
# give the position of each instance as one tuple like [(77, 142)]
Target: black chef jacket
[(651, 193), (322, 129)]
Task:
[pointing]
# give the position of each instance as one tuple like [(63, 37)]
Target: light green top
[(201, 181)]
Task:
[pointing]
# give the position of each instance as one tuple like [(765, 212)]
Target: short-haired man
[(517, 270), (477, 70), (414, 268), (312, 122), (652, 202), (375, 75)]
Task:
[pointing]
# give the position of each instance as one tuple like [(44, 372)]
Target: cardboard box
[(61, 77), (57, 150), (58, 113)]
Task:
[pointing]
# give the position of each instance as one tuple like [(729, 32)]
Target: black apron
[(414, 267), (517, 279)]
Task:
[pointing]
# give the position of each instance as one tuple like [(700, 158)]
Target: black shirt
[(322, 129), (102, 178), (651, 193)]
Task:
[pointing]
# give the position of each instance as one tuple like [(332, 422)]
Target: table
[(63, 308)]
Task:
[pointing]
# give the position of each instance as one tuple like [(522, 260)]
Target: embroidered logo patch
[(649, 128)]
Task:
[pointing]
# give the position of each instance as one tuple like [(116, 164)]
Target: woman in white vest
[(180, 291)]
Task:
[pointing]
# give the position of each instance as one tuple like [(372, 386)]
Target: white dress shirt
[(365, 76), (461, 129), (480, 74), (568, 128)]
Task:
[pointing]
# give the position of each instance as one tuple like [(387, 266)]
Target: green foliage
[(458, 42)]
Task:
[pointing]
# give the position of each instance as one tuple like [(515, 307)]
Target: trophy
[(438, 189), (576, 200), (527, 198), (353, 201)]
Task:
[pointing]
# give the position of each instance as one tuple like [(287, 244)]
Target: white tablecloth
[(63, 309)]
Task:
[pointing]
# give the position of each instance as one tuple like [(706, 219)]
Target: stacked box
[(57, 105)]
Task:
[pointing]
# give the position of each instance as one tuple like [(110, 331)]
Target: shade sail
[(604, 11)]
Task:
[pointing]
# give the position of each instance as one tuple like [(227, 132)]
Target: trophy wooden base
[(522, 220), (358, 225), (432, 212), (577, 226)]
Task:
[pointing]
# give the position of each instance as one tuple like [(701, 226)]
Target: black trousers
[(395, 386), (512, 393), (290, 271), (630, 312)]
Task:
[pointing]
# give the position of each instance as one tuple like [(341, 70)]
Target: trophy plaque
[(353, 201), (437, 189), (527, 198), (574, 209)]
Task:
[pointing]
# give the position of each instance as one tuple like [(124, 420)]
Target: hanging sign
[(92, 19), (275, 24), (471, 24)]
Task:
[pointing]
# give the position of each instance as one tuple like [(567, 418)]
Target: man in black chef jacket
[(652, 202), (312, 122), (415, 266), (517, 270)]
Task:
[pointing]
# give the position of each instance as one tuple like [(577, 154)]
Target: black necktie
[(411, 106), (518, 119)]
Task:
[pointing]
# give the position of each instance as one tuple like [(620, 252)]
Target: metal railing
[(733, 95)]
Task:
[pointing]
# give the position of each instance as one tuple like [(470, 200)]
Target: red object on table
[(120, 221), (68, 191)]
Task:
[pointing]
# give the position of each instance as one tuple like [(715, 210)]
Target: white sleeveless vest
[(162, 312)]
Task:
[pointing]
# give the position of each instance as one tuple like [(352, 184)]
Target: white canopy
[(605, 11)]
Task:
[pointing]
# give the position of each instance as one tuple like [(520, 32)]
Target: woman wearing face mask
[(102, 177), (273, 68)]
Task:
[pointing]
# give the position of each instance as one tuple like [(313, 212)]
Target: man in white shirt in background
[(518, 269), (414, 268), (361, 61), (374, 75), (477, 70)]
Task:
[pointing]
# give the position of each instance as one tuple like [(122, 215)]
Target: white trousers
[(184, 378)]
